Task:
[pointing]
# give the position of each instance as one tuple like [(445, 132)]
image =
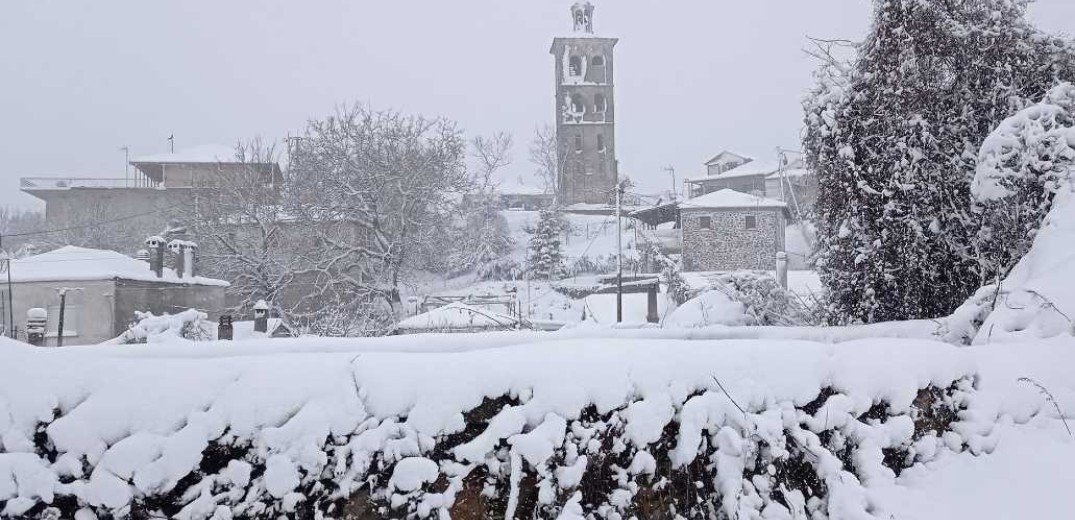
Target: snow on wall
[(610, 428)]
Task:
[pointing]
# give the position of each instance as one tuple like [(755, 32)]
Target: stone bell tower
[(585, 112)]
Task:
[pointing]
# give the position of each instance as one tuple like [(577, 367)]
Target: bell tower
[(585, 112)]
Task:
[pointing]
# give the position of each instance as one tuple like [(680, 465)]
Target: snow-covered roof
[(457, 316), (721, 158), (751, 169), (72, 264), (197, 154), (796, 172), (727, 198)]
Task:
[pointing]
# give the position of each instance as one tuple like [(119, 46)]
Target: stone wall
[(728, 245)]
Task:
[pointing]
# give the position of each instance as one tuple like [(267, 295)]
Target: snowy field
[(109, 428)]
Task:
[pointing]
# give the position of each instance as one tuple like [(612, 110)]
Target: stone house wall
[(728, 245)]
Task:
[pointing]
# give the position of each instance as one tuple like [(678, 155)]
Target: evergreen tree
[(893, 140), (546, 260)]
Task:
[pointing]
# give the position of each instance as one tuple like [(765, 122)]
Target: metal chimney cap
[(261, 306), (37, 313)]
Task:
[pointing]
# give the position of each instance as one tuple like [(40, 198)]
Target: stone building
[(106, 289), (728, 230), (585, 112)]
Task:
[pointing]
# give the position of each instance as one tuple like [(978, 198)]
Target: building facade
[(104, 289), (585, 112), (729, 231), (161, 188)]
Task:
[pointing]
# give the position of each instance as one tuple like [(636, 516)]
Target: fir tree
[(546, 260), (893, 140)]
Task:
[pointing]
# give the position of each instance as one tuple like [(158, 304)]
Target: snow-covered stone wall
[(560, 429)]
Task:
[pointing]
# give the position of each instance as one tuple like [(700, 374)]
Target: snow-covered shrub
[(712, 307), (1022, 189), (892, 138), (1021, 166), (764, 301), (191, 325)]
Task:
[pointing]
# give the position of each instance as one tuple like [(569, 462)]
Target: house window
[(600, 143), (578, 144), (70, 320), (705, 222), (751, 222)]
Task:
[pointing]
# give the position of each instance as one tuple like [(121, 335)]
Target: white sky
[(79, 80)]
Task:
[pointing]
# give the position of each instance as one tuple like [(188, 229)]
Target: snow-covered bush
[(892, 138), (763, 300), (191, 325), (1021, 166), (1023, 191), (712, 307)]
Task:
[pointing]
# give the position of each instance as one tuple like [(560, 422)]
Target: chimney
[(156, 255), (261, 317), (176, 247), (782, 269), (36, 320), (190, 255), (225, 330), (142, 255)]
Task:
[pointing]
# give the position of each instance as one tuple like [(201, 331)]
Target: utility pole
[(672, 170), (619, 253), (126, 166), (6, 265), (63, 307)]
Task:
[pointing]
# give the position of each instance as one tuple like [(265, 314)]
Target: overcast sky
[(80, 80)]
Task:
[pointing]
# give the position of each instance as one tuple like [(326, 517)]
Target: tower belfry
[(585, 112)]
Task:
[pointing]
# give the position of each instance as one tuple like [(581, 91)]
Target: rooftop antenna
[(171, 143)]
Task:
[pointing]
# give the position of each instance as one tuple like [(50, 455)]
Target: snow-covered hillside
[(541, 427)]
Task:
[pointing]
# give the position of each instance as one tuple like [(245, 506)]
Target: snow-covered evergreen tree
[(546, 260), (893, 140)]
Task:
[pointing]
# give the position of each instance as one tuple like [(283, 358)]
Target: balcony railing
[(63, 183)]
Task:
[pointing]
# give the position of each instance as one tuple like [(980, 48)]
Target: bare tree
[(367, 186), (17, 231), (545, 154), (245, 236), (491, 154)]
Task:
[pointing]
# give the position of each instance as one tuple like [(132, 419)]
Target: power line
[(92, 224)]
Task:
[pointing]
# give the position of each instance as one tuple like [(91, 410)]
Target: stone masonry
[(727, 245)]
